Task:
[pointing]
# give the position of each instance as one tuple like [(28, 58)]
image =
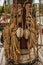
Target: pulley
[(19, 32)]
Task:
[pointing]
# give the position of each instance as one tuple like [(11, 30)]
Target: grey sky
[(2, 1), (36, 1)]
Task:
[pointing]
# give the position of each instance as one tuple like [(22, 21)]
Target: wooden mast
[(5, 10)]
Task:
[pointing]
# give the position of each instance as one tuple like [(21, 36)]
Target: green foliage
[(1, 9), (8, 9)]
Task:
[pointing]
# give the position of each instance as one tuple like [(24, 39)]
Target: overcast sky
[(2, 1), (36, 1)]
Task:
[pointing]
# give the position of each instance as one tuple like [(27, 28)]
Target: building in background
[(35, 1), (39, 10), (9, 2)]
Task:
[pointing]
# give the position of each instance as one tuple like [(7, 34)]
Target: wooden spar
[(16, 7), (5, 11), (13, 27)]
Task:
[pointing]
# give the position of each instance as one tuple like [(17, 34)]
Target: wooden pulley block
[(15, 11), (28, 5), (20, 11), (20, 19), (19, 6), (27, 11), (19, 32), (28, 15), (26, 33), (28, 20)]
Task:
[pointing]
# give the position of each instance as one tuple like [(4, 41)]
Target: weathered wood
[(12, 43)]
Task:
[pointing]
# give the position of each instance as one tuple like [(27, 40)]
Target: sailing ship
[(21, 35)]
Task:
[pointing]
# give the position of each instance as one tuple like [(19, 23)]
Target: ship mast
[(5, 10)]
